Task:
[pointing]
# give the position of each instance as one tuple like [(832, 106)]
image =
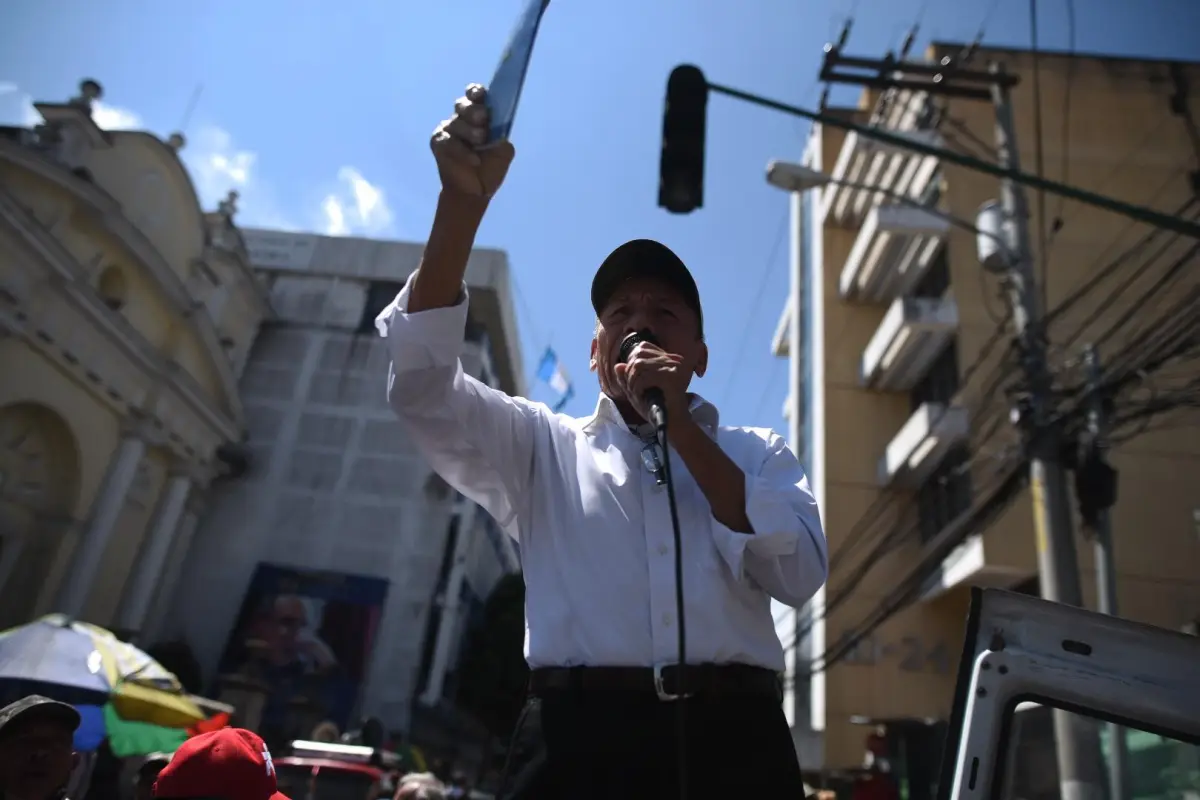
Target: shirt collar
[(704, 413)]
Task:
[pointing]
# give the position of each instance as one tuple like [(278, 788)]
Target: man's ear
[(593, 365), (702, 361)]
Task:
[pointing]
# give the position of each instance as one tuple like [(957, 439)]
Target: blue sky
[(320, 113)]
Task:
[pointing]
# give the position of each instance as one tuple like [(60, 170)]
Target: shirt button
[(663, 550), (667, 619)]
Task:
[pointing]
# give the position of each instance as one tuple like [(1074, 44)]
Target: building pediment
[(101, 195)]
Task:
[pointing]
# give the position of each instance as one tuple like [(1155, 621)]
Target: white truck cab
[(1021, 653)]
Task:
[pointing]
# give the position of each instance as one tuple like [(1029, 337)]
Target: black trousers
[(622, 746)]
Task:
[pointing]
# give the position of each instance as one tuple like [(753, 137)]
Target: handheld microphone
[(652, 397)]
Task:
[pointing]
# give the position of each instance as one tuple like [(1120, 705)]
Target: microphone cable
[(660, 421), (681, 689)]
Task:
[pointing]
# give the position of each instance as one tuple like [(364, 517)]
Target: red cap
[(231, 763)]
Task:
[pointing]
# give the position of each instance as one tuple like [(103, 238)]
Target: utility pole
[(451, 603), (1096, 489), (798, 697), (1076, 738)]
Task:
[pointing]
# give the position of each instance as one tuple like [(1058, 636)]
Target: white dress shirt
[(594, 528)]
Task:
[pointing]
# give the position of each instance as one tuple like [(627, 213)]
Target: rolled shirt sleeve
[(478, 439), (787, 554)]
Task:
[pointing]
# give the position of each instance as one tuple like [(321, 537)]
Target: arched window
[(112, 288)]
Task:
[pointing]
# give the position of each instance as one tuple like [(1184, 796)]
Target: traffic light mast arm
[(1139, 213)]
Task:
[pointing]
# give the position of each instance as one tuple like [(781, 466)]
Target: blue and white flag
[(552, 373)]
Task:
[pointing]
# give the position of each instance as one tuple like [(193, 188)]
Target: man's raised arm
[(478, 439)]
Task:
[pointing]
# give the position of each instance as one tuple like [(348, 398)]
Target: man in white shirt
[(585, 501)]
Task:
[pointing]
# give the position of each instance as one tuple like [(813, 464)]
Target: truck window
[(1156, 767)]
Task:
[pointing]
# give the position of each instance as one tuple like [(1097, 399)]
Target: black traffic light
[(681, 169)]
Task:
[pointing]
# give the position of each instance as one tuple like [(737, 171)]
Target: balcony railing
[(893, 251), (969, 564), (885, 169), (913, 333), (922, 443)]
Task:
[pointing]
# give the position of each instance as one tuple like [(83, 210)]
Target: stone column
[(13, 607), (11, 548), (106, 510), (164, 596), (139, 592)]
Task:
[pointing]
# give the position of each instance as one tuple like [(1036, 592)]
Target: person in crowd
[(229, 764), (420, 786), (147, 774), (588, 502), (37, 748)]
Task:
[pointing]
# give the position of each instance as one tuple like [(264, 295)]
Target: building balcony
[(781, 340), (790, 402), (913, 333), (867, 171), (975, 563), (893, 251), (925, 440)]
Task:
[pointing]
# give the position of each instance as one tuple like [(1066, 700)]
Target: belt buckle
[(660, 688)]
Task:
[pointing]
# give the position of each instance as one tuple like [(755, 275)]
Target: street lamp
[(792, 177), (995, 252)]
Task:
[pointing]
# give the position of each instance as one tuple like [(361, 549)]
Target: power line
[(1138, 306), (1167, 341), (748, 327), (1097, 272), (1120, 291), (962, 129), (882, 541), (1143, 144), (1002, 490), (990, 423), (1065, 142), (768, 388), (997, 497), (864, 532)]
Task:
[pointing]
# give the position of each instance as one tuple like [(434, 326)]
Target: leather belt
[(662, 680)]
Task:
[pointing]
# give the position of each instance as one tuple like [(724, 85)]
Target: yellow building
[(903, 416), (126, 313)]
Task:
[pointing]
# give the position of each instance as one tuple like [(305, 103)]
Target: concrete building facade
[(333, 483), (126, 313), (903, 385)]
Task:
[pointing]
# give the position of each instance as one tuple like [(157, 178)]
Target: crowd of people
[(38, 759)]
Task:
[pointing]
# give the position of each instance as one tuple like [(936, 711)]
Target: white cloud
[(356, 207), (217, 165), (113, 118), (16, 107)]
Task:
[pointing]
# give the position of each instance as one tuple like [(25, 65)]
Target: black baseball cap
[(645, 258), (35, 706)]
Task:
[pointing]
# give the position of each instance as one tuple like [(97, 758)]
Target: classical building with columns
[(126, 316)]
